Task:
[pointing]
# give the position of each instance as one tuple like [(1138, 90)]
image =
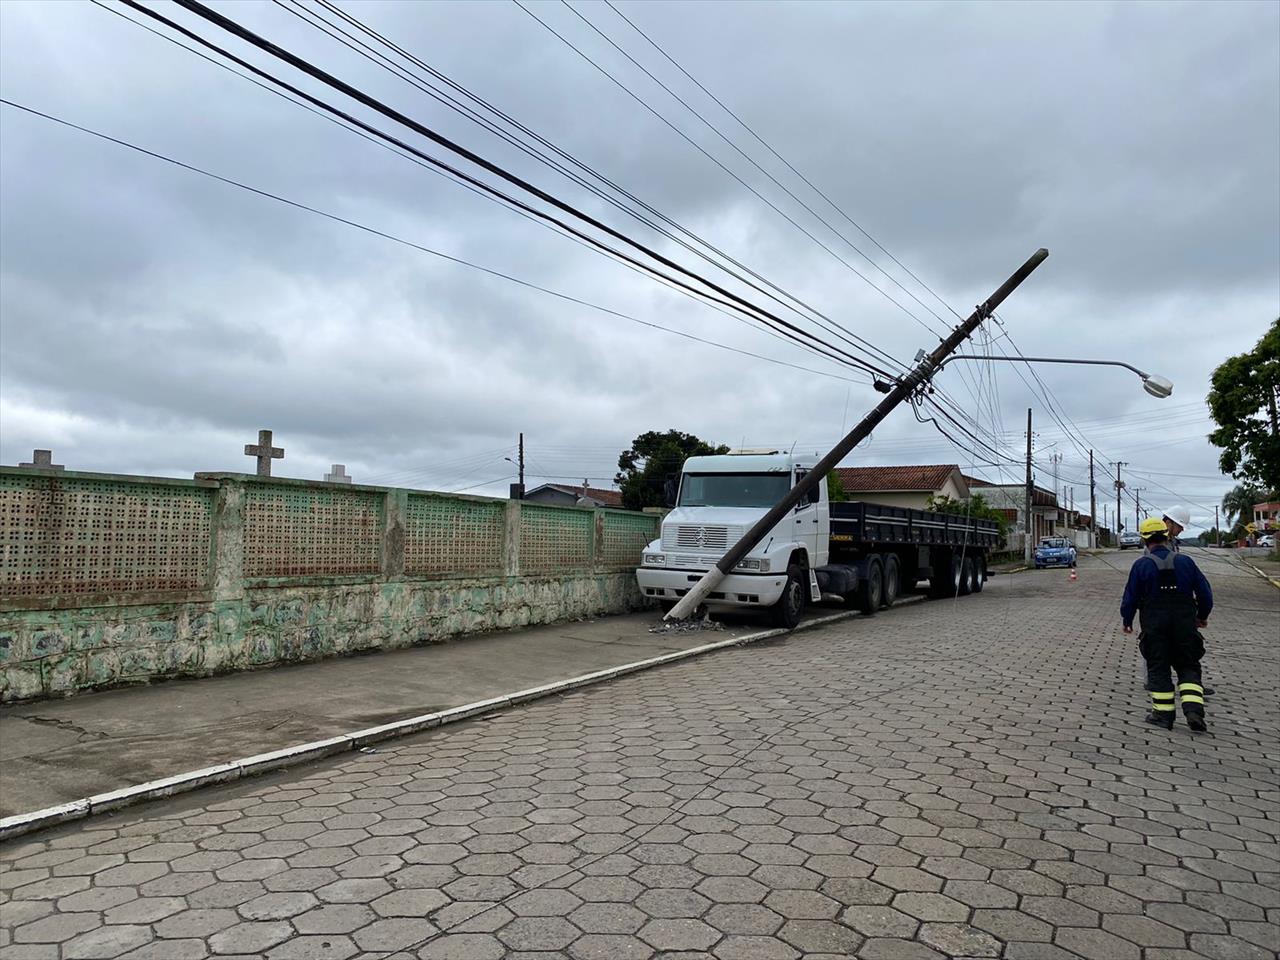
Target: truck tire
[(892, 581), (979, 573), (966, 577), (944, 581), (870, 590), (788, 609)]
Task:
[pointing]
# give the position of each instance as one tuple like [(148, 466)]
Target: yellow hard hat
[(1151, 526)]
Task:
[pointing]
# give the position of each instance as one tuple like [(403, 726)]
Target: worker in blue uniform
[(1173, 599)]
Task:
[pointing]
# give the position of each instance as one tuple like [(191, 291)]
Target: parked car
[(1130, 538), (1055, 552), (1267, 540)]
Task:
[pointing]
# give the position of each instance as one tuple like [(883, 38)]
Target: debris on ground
[(687, 626)]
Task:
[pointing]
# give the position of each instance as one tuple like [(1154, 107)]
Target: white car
[(1130, 538), (1267, 540)]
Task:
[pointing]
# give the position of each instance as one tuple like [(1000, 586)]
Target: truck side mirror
[(669, 490)]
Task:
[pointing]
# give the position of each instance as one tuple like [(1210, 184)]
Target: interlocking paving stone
[(740, 806)]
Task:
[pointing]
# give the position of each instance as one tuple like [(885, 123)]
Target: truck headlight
[(655, 559), (750, 564)]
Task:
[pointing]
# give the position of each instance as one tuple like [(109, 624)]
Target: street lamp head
[(1157, 386)]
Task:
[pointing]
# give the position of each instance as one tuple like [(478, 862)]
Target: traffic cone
[(1073, 578)]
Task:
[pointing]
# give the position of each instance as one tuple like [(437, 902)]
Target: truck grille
[(701, 538)]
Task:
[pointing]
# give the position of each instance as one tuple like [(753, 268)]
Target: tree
[(976, 507), (1243, 402), (1238, 504), (835, 489), (651, 459)]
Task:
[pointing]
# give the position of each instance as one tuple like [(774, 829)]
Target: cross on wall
[(264, 451), (42, 460)]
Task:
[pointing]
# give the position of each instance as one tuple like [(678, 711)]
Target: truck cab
[(718, 500)]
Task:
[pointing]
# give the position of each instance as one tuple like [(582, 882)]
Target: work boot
[(1162, 718), (1196, 722)]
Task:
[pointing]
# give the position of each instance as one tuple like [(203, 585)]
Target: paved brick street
[(967, 779)]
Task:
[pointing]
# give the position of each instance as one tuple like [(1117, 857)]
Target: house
[(568, 495), (903, 486), (1049, 518), (1266, 516)]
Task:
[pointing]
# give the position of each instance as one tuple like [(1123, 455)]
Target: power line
[(408, 243), (732, 300), (380, 59)]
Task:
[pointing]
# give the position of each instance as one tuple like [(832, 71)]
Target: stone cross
[(264, 451), (337, 474), (42, 460)]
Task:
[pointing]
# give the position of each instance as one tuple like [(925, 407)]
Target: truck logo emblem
[(701, 536)]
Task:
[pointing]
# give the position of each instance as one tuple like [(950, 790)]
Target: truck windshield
[(733, 489)]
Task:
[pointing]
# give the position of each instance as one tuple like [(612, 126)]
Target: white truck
[(860, 553)]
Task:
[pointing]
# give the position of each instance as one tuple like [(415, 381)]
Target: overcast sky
[(153, 320)]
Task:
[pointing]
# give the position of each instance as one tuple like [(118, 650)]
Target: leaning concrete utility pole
[(903, 389), (1026, 538)]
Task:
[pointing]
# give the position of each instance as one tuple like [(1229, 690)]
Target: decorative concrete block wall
[(108, 580)]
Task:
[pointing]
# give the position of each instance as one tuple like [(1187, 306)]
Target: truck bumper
[(735, 590)]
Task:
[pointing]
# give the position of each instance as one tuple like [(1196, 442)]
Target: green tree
[(1238, 503), (976, 507), (643, 469), (835, 489), (1243, 402)]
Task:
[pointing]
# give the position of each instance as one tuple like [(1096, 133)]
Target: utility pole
[(517, 489), (1093, 503), (1119, 488), (1026, 540), (1217, 529), (1137, 501), (904, 387), (1056, 459)]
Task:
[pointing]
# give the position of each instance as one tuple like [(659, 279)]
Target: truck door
[(811, 522)]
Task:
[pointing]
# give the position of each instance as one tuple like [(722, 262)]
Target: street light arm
[(1157, 386), (1101, 363)]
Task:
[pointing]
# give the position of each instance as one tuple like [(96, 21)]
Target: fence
[(108, 579)]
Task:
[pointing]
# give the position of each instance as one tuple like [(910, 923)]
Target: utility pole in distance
[(904, 387), (1093, 503), (1119, 488), (1137, 502), (1216, 528), (1026, 540)]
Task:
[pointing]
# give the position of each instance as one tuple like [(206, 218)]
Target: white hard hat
[(1179, 515)]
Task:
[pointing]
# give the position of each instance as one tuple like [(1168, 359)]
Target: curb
[(1264, 575), (24, 823)]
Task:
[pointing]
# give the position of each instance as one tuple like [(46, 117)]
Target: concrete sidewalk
[(57, 751)]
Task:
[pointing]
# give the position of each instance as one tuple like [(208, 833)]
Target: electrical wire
[(729, 299), (380, 59)]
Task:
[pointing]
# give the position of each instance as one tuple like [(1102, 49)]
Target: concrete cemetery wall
[(107, 580)]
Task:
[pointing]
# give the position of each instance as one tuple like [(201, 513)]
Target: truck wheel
[(892, 581), (870, 592), (979, 574), (965, 587), (786, 612)]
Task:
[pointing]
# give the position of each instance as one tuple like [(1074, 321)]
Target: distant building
[(567, 495), (1048, 517), (1266, 516), (903, 486)]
